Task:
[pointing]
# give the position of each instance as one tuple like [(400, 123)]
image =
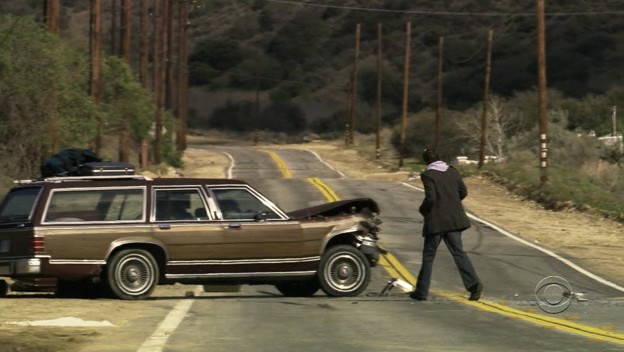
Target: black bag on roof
[(68, 162)]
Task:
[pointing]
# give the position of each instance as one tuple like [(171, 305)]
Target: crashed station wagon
[(127, 234)]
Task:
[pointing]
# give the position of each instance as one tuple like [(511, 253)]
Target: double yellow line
[(396, 270), (281, 165)]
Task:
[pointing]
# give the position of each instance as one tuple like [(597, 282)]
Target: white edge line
[(232, 164), (326, 163), (532, 245), (156, 342)]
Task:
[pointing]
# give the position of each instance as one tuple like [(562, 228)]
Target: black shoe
[(475, 291), (417, 297)]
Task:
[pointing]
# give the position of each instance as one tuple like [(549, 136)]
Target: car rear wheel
[(304, 288), (132, 274), (344, 271)]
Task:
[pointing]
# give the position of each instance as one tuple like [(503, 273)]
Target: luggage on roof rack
[(106, 168), (67, 162)]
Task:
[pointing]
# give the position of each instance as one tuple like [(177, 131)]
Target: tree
[(500, 124), (42, 86), (125, 100)]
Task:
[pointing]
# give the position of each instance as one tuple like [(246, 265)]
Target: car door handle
[(234, 225), (164, 226)]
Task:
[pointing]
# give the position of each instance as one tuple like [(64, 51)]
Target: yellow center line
[(397, 270), (281, 165), (329, 194)]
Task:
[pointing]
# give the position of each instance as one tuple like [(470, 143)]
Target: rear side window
[(180, 205), (99, 205), (18, 204)]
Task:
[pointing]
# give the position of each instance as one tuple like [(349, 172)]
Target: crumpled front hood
[(341, 207)]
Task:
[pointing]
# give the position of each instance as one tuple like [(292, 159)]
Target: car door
[(181, 218), (257, 232)]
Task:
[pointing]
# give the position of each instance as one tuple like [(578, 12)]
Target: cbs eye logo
[(554, 294)]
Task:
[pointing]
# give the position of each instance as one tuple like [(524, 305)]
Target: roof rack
[(85, 178)]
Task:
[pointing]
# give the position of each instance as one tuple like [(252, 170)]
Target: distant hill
[(304, 49)]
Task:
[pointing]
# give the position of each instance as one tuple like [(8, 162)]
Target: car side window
[(95, 205), (240, 204), (180, 205)]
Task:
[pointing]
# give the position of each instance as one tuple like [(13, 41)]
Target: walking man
[(445, 219)]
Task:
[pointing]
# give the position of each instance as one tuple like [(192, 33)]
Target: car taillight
[(38, 244)]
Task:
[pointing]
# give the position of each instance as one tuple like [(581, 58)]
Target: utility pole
[(541, 89), (113, 29), (169, 81), (378, 99), (160, 43), (183, 8), (52, 11), (143, 69), (436, 142), (256, 113), (124, 53), (143, 49), (486, 98), (408, 40), (353, 93), (95, 81), (125, 30)]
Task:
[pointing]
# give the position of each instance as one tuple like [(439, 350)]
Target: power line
[(452, 13)]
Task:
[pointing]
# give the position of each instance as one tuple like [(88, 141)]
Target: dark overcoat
[(442, 207)]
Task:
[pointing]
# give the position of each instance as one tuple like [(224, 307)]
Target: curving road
[(258, 318), (507, 319)]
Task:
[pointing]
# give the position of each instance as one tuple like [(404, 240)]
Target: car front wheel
[(344, 271), (132, 274)]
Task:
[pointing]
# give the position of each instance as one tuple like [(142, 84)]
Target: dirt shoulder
[(593, 242)]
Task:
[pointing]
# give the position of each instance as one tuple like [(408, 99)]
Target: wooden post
[(353, 94), (541, 89), (113, 29), (124, 53), (378, 98), (95, 79), (160, 41), (486, 98), (438, 117), (408, 30), (143, 70), (169, 67), (52, 11), (182, 74)]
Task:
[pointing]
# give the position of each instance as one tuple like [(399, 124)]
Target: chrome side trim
[(244, 261), (77, 262), (250, 274)]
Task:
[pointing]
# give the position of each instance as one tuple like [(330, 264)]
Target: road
[(258, 318)]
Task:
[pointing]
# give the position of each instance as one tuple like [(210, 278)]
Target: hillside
[(304, 49)]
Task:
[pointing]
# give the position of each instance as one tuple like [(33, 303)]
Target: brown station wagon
[(130, 233)]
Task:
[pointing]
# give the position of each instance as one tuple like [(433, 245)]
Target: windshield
[(18, 204)]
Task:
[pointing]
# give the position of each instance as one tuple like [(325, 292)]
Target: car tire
[(344, 271), (304, 288), (132, 274)]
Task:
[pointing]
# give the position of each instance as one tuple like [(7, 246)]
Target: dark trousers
[(453, 242)]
